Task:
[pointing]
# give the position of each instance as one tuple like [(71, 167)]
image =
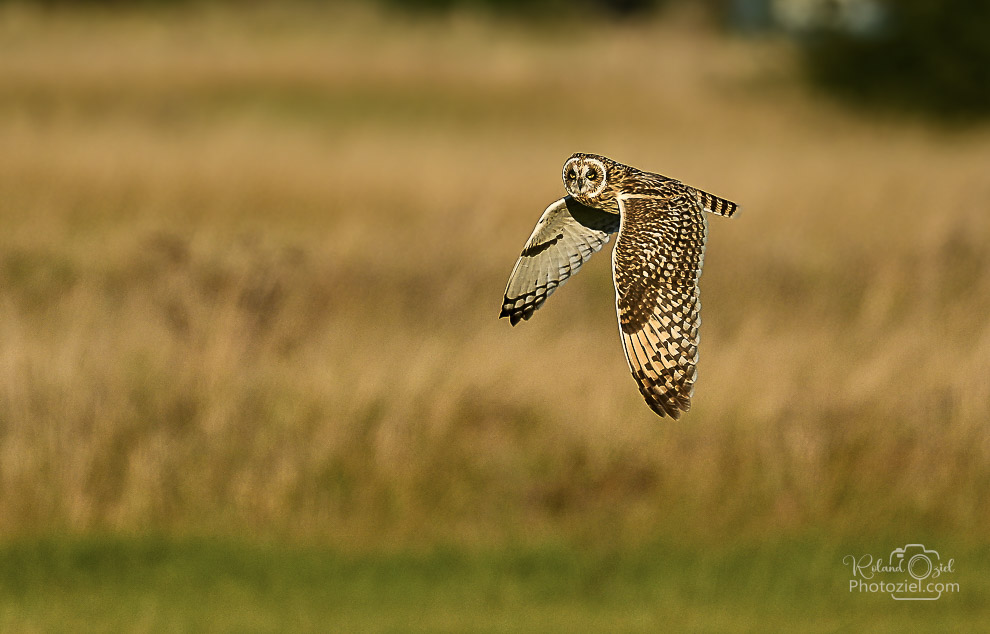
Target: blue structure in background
[(858, 18), (750, 15)]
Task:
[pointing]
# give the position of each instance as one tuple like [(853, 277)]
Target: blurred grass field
[(218, 586), (250, 268)]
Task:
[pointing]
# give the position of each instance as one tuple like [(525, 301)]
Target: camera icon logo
[(919, 562), (914, 559)]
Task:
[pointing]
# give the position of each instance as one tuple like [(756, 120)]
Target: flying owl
[(656, 264)]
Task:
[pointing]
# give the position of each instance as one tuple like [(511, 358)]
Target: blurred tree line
[(616, 7), (619, 7), (923, 55)]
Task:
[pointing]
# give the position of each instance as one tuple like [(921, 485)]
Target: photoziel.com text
[(922, 565)]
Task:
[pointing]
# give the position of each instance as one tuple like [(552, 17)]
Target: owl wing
[(656, 265), (567, 235)]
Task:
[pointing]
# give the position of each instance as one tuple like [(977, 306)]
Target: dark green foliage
[(930, 56)]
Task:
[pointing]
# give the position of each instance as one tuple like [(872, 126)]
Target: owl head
[(589, 179)]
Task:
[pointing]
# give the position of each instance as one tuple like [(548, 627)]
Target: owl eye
[(592, 175), (571, 174)]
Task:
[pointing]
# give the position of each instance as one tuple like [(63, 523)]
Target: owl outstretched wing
[(567, 235), (656, 265)]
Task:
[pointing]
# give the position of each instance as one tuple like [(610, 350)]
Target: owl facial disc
[(584, 177)]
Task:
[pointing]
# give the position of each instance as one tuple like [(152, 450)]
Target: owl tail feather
[(716, 205)]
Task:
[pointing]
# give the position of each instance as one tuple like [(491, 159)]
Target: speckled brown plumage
[(656, 264)]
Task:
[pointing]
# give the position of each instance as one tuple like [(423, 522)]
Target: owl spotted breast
[(656, 264)]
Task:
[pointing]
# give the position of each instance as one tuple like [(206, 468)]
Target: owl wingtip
[(514, 316), (672, 408)]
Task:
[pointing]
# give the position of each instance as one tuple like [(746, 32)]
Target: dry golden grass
[(251, 264)]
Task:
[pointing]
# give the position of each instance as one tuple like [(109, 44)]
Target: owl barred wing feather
[(567, 235), (656, 265)]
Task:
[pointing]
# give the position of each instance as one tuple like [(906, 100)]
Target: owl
[(656, 264)]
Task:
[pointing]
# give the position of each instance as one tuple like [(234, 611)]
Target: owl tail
[(716, 205)]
